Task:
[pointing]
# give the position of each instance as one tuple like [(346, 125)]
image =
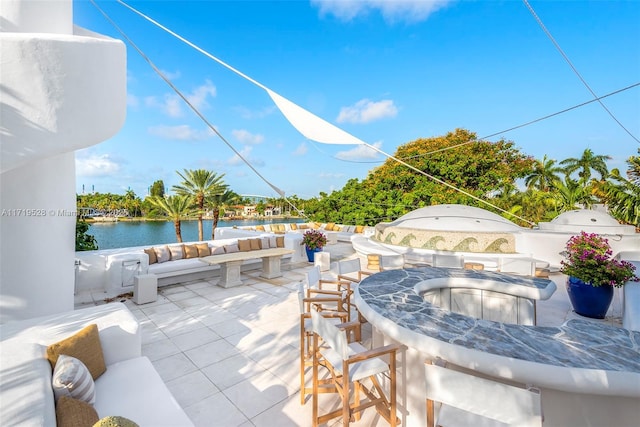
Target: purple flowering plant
[(588, 258), (314, 239)]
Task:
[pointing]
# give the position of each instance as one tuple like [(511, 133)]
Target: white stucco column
[(62, 88), (37, 238)]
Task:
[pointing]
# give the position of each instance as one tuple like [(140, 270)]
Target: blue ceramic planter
[(587, 300), (311, 252)]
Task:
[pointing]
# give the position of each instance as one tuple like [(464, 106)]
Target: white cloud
[(170, 74), (199, 95), (328, 175), (409, 11), (246, 154), (365, 111), (246, 137), (96, 165), (172, 104), (360, 152), (132, 100), (181, 132), (301, 150)]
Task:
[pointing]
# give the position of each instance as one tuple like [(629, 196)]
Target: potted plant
[(314, 241), (593, 274)]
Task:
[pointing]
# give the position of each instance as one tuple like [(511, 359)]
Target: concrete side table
[(145, 288)]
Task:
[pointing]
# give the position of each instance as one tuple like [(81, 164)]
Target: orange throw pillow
[(84, 346)]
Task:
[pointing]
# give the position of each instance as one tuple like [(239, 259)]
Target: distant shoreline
[(148, 219)]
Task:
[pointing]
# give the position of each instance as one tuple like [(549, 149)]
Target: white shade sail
[(310, 125)]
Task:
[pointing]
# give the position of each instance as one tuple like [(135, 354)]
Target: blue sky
[(387, 72)]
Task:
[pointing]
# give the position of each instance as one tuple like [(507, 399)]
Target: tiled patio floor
[(230, 356)]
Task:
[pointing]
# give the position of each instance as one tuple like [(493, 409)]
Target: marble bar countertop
[(579, 356)]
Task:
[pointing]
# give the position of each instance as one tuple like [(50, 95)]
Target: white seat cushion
[(182, 265), (133, 389)]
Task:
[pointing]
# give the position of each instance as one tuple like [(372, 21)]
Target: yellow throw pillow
[(329, 227), (255, 244), (203, 249), (84, 346), (260, 227), (244, 245), (152, 255), (359, 228), (190, 251), (294, 226), (72, 412)]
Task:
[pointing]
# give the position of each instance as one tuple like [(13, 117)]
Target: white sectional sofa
[(129, 388), (342, 232), (113, 270)]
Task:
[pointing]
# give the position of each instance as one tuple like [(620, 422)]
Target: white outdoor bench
[(230, 264)]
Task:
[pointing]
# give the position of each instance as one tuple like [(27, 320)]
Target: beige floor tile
[(216, 411), (257, 394), (174, 366), (191, 388), (159, 349), (232, 370), (210, 353), (195, 338)]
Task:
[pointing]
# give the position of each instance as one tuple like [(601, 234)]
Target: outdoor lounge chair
[(350, 364)]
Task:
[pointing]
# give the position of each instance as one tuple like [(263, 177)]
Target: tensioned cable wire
[(509, 129), (529, 122), (566, 58), (193, 108), (478, 199)]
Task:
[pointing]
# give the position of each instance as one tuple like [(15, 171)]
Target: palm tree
[(586, 164), (200, 184), (544, 174), (176, 207), (570, 193), (622, 196), (218, 201)]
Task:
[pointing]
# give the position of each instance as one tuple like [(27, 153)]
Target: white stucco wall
[(62, 88), (37, 16), (60, 93), (37, 244)]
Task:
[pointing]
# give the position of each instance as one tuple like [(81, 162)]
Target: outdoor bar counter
[(588, 372)]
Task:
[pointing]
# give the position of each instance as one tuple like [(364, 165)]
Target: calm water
[(112, 235)]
